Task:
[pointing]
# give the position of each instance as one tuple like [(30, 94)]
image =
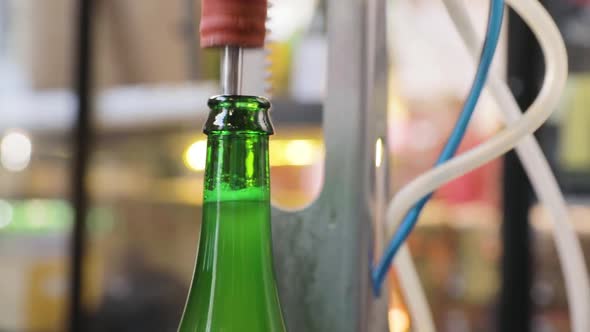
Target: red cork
[(233, 22)]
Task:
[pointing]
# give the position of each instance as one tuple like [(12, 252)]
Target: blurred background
[(152, 81)]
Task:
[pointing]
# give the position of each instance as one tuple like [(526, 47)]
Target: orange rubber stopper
[(233, 23)]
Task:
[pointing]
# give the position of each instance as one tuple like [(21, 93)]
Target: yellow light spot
[(378, 153), (399, 320), (195, 156), (300, 152)]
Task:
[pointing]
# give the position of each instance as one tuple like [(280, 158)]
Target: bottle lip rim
[(261, 102), (235, 113)]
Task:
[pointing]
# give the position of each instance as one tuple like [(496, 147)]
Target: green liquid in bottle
[(234, 286)]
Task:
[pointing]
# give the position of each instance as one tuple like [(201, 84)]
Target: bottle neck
[(234, 287), (237, 166)]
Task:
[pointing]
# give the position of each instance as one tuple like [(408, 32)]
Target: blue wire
[(489, 48)]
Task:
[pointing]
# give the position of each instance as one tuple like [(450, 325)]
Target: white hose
[(413, 292), (543, 181), (555, 77), (536, 165)]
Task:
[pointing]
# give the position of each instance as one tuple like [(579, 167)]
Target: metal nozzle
[(231, 70)]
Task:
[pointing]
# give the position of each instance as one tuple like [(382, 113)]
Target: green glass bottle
[(234, 288)]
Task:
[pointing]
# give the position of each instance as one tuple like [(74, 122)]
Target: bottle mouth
[(239, 102), (232, 114)]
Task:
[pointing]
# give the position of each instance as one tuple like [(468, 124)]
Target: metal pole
[(231, 70), (322, 253), (81, 137), (515, 304)]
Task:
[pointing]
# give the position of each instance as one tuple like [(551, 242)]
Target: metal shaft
[(82, 137), (231, 70)]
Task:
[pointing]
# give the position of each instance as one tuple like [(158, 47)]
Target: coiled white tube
[(534, 162), (543, 181), (413, 292), (555, 78)]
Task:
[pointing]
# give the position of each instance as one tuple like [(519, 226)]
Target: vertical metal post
[(81, 139), (322, 254), (515, 304)]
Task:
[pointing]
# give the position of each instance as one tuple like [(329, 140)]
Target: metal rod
[(231, 70), (515, 307), (81, 136)]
